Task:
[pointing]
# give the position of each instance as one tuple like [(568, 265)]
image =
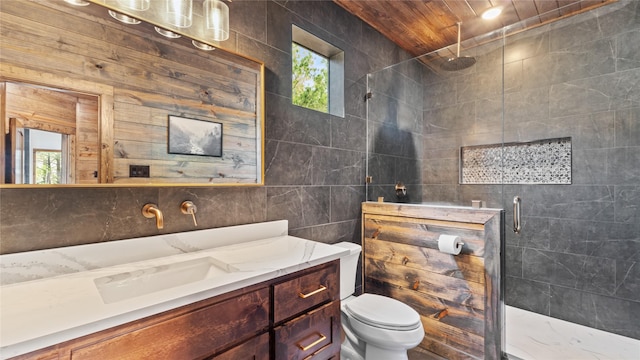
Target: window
[(47, 166), (317, 80), (310, 80)]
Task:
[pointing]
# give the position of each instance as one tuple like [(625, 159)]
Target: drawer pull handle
[(321, 289), (321, 339)]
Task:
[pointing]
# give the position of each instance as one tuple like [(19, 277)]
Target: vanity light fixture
[(167, 33), (180, 13), (202, 46), (136, 5), (205, 24), (216, 14), (124, 18), (492, 13)]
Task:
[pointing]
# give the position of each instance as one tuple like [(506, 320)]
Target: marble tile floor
[(532, 336)]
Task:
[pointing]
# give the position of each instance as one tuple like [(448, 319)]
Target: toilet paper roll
[(450, 244)]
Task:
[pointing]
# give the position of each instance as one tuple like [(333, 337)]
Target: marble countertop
[(53, 296)]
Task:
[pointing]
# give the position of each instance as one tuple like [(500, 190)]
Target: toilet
[(375, 327)]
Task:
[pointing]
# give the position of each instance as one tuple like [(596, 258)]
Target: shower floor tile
[(532, 336)]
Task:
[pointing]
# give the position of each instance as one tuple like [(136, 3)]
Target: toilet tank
[(348, 269)]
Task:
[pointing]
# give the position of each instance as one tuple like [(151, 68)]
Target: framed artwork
[(194, 137)]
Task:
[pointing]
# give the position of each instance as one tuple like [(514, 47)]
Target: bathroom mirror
[(90, 101)]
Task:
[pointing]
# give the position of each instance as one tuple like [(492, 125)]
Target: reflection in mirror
[(41, 157), (51, 135)]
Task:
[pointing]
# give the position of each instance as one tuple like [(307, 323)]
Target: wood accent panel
[(458, 297), (308, 329), (464, 266), (42, 109), (287, 299), (87, 141), (4, 130), (159, 76)]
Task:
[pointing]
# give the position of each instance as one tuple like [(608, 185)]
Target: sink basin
[(127, 285)]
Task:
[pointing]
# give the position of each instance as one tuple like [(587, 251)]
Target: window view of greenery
[(310, 79), (48, 167)]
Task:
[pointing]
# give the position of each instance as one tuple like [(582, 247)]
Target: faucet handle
[(189, 208)]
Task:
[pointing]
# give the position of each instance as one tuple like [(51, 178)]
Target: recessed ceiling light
[(77, 2), (492, 13)]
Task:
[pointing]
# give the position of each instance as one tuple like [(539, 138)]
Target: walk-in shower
[(566, 90)]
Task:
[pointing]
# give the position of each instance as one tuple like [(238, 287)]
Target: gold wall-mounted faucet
[(150, 211), (189, 208)]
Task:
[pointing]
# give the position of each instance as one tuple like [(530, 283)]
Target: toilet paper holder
[(450, 244)]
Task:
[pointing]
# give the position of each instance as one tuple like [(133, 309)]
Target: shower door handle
[(517, 220)]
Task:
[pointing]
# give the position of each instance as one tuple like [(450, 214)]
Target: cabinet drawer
[(315, 335), (297, 295), (256, 348), (196, 334)]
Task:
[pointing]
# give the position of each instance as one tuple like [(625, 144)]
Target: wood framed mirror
[(58, 58)]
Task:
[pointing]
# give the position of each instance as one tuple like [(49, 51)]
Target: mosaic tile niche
[(538, 162)]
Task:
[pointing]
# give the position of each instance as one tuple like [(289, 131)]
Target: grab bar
[(517, 221)]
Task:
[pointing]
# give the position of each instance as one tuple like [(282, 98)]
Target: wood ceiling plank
[(425, 21), (586, 4), (422, 26), (568, 6), (509, 14), (479, 6), (461, 9), (472, 24), (526, 9), (547, 9)]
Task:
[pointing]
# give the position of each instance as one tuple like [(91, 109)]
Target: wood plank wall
[(153, 77), (458, 297)]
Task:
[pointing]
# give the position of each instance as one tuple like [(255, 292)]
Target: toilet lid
[(383, 312)]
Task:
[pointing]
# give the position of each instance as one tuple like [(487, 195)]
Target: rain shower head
[(458, 63)]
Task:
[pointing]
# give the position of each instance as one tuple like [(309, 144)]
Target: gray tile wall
[(315, 163), (578, 257)]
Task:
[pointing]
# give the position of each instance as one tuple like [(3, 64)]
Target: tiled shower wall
[(315, 163), (578, 257)]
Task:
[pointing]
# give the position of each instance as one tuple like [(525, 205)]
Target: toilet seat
[(383, 312)]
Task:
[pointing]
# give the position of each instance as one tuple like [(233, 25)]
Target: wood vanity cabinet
[(295, 316), (302, 329)]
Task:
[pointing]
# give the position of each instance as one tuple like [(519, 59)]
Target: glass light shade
[(77, 2), (123, 18), (137, 5), (167, 33), (202, 46), (180, 13), (216, 14)]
